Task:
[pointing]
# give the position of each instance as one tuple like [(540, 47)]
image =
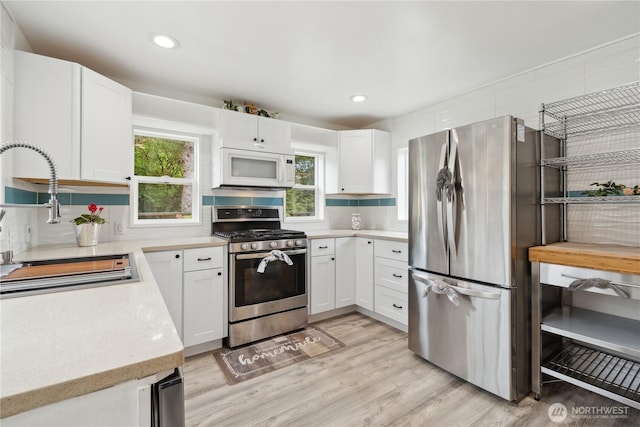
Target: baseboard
[(202, 348)]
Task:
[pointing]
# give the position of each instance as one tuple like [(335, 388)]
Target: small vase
[(356, 221), (87, 234)]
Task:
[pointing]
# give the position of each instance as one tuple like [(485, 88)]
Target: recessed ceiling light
[(165, 41), (358, 98)]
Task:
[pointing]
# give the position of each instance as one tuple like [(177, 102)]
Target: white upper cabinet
[(82, 119), (250, 132), (364, 162)]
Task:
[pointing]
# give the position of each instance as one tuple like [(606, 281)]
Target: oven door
[(279, 288)]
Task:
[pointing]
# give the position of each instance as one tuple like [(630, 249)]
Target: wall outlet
[(118, 228), (27, 233)]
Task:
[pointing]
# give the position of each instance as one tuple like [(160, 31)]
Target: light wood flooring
[(373, 381)]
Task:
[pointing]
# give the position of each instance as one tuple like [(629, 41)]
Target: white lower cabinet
[(332, 276), (125, 404), (345, 271), (167, 271), (391, 280), (193, 285), (364, 273)]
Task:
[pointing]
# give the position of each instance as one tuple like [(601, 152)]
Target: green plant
[(92, 217), (610, 188)]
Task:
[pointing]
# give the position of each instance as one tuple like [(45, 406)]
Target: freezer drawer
[(471, 339)]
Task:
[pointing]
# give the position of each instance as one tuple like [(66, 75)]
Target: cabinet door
[(322, 288), (364, 162), (345, 271), (167, 271), (203, 306), (238, 130), (107, 134), (274, 136), (355, 162), (46, 114), (364, 273)]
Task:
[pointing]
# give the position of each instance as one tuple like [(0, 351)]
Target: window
[(305, 199), (165, 188), (403, 184)]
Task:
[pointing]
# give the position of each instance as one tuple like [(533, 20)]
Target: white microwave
[(242, 168)]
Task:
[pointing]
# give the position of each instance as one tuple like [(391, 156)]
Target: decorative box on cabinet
[(82, 119), (364, 162), (250, 132)]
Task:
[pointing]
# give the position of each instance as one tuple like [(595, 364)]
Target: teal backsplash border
[(19, 196)]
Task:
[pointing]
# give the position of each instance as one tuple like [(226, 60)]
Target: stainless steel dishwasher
[(167, 401)]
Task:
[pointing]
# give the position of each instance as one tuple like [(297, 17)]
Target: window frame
[(318, 187), (194, 181)]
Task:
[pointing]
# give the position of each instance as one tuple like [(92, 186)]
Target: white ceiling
[(306, 58)]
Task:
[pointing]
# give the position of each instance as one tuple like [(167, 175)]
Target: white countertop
[(373, 234), (61, 345)]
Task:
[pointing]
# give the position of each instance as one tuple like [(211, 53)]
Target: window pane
[(164, 201), (305, 170), (156, 156), (301, 202)]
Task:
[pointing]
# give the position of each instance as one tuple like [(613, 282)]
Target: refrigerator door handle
[(455, 191), (441, 287), (442, 185)]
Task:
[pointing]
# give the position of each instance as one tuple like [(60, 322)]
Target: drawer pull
[(397, 306), (396, 251), (323, 247), (399, 276), (595, 282), (204, 259)]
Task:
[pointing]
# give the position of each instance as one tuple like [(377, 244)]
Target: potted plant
[(88, 226)]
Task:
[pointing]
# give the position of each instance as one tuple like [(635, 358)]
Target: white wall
[(601, 68)]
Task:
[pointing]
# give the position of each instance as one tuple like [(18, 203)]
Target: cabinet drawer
[(393, 250), (322, 247), (564, 276), (392, 274), (203, 258), (392, 304)]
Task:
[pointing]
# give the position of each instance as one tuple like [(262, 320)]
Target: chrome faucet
[(53, 204)]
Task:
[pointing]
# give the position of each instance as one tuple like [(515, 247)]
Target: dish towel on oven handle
[(274, 255)]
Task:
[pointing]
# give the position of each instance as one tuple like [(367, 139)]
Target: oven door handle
[(263, 254)]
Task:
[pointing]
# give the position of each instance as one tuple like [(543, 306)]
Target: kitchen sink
[(56, 275)]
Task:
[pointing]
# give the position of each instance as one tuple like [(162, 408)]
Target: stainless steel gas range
[(267, 273)]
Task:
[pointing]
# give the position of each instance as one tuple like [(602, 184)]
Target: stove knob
[(298, 242), (273, 244), (290, 243), (254, 246), (244, 246)]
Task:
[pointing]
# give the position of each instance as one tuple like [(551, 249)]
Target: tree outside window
[(303, 199), (164, 185)]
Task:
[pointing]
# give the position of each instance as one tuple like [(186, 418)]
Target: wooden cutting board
[(67, 268)]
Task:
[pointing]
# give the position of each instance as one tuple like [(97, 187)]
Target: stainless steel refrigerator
[(473, 212)]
